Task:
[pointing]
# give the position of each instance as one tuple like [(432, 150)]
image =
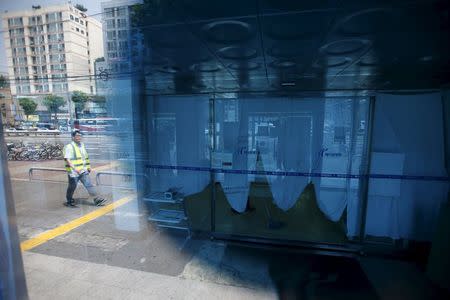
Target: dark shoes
[(70, 204), (99, 201)]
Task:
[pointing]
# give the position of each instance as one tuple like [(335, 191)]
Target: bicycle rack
[(30, 171), (98, 182)]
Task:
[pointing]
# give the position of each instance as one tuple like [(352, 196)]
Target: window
[(110, 35), (81, 22), (112, 46), (78, 29), (121, 23), (59, 76), (57, 58), (123, 34), (71, 17), (109, 12), (56, 48), (60, 87), (15, 22), (58, 67), (53, 17), (55, 27), (37, 50), (54, 38), (110, 24), (22, 78), (35, 30), (16, 32), (51, 38), (123, 45), (82, 31), (112, 54), (121, 11), (35, 20), (20, 61), (17, 42), (19, 51), (25, 89), (77, 20)]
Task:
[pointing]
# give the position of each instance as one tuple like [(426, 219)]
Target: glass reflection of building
[(256, 125)]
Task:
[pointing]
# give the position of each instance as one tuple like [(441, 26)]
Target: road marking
[(62, 229), (20, 179)]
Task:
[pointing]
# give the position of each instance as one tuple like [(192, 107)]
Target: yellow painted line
[(60, 230), (20, 179)]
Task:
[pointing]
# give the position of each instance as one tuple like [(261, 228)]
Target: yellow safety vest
[(77, 158)]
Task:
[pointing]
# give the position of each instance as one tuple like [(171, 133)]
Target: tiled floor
[(50, 277)]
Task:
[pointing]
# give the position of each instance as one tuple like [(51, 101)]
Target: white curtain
[(293, 155), (278, 134), (232, 129), (179, 138), (407, 140)]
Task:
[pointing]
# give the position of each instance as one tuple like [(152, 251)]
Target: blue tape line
[(300, 174)]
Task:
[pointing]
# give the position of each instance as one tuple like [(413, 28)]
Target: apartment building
[(122, 43), (51, 50), (7, 106)]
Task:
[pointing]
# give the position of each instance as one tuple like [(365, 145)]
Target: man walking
[(78, 168)]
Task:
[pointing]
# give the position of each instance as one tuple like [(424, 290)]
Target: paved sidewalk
[(50, 277)]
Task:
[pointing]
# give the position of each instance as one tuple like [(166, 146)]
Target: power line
[(94, 76)]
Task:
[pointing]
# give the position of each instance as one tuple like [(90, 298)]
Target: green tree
[(3, 82), (81, 7), (28, 106), (100, 101), (79, 98), (53, 103)]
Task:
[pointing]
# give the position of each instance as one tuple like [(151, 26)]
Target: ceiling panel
[(268, 45)]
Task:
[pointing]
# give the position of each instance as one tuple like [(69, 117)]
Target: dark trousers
[(73, 182)]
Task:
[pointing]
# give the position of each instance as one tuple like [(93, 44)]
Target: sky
[(93, 7)]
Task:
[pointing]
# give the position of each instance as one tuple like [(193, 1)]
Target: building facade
[(7, 106), (51, 50), (122, 43)]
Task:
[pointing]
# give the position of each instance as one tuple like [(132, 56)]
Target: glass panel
[(179, 160), (276, 160), (411, 181)]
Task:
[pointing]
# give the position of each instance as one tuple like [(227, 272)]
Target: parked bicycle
[(43, 151)]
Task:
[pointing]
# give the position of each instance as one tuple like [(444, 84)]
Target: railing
[(30, 172), (10, 132), (110, 173)]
